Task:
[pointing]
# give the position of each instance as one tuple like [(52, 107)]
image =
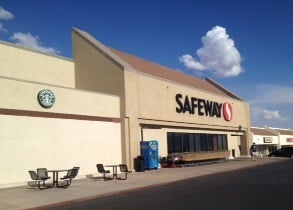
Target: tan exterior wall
[(23, 96), (156, 101), (97, 71), (81, 129), (151, 101), (94, 70), (23, 64), (28, 143)]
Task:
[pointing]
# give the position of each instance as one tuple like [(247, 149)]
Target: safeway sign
[(202, 107)]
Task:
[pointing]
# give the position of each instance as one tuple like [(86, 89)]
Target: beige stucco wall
[(23, 96), (20, 63), (94, 70), (29, 142), (156, 100)]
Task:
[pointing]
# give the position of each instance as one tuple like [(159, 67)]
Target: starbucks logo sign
[(46, 98)]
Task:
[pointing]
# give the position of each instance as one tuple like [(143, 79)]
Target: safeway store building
[(98, 107)]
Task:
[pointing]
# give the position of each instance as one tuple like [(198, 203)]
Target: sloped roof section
[(284, 131), (156, 70), (262, 132)]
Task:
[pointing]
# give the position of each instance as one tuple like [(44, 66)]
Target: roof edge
[(35, 51), (217, 85), (102, 48)]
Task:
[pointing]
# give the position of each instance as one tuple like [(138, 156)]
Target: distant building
[(265, 140), (285, 136), (270, 139)]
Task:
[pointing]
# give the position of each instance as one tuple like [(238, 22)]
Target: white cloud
[(5, 15), (272, 115), (26, 40), (218, 54), (191, 63), (272, 94), (29, 41), (271, 105)]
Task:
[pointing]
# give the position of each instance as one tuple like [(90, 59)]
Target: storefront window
[(177, 142), (225, 143), (210, 142), (193, 142), (203, 142), (185, 143), (170, 142), (220, 142), (197, 142)]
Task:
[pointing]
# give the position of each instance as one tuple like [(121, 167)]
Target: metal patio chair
[(124, 169), (75, 171), (101, 169), (71, 174), (37, 180), (43, 174), (68, 178)]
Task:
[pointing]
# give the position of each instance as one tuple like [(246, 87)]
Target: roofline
[(268, 130), (126, 66), (35, 51), (102, 48), (213, 82), (285, 129)]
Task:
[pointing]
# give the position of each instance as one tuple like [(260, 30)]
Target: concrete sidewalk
[(85, 189)]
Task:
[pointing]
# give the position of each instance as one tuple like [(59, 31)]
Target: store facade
[(181, 112), (98, 107)]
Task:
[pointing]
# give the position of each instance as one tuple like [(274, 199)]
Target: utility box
[(150, 153)]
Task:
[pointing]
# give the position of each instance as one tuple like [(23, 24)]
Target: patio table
[(114, 170), (56, 175)]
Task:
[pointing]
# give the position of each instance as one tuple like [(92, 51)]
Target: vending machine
[(150, 153)]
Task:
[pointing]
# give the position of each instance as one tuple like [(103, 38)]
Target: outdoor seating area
[(41, 176), (118, 171)]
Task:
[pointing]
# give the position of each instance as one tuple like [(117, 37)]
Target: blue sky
[(244, 45)]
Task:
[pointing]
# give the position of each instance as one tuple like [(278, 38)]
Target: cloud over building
[(218, 55)]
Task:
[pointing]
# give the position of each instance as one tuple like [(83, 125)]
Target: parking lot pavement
[(82, 189)]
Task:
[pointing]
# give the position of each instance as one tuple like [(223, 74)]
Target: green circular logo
[(46, 98)]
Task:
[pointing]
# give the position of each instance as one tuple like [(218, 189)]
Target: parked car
[(283, 152)]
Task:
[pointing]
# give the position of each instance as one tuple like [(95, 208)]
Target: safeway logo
[(227, 111)]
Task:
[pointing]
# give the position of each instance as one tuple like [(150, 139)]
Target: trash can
[(139, 164), (233, 153)]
